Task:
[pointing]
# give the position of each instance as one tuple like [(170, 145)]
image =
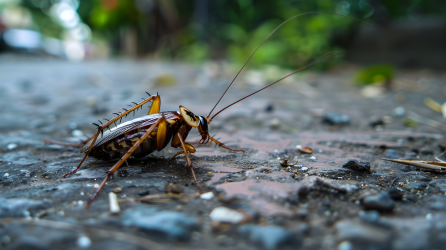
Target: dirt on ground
[(340, 194)]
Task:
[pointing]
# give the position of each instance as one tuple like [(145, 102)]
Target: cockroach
[(142, 136)]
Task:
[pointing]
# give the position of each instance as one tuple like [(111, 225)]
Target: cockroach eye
[(203, 123)]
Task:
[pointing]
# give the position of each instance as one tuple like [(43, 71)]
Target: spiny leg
[(125, 157), (223, 145), (116, 118)]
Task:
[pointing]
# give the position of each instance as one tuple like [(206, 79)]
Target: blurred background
[(408, 34)]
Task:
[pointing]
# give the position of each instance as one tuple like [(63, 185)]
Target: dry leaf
[(435, 165), (307, 150)]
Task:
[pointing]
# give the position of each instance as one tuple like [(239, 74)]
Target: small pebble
[(306, 150), (312, 158), (399, 111), (380, 202), (304, 169), (396, 193), (429, 216), (223, 214), (275, 123), (117, 189), (298, 146), (77, 133), (82, 193), (96, 186), (113, 201), (207, 196), (336, 119), (345, 245), (357, 165), (11, 146), (144, 192), (427, 151), (376, 121), (6, 175), (83, 242)]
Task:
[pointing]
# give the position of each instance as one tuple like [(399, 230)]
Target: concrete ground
[(255, 201)]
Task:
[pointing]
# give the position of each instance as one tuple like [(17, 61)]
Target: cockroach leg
[(173, 157), (223, 145), (189, 162)]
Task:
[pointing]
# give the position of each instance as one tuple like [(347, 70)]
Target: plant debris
[(434, 165)]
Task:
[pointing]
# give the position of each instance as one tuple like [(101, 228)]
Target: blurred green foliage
[(197, 30), (376, 74)]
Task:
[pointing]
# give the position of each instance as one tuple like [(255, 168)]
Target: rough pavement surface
[(315, 204)]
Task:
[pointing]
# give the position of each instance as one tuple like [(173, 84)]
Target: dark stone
[(391, 154), (396, 193), (172, 225), (145, 192), (269, 237), (357, 165), (20, 159), (21, 207), (427, 151), (414, 150), (380, 202), (269, 108), (376, 121), (335, 119)]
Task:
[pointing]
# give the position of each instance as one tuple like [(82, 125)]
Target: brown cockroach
[(142, 136)]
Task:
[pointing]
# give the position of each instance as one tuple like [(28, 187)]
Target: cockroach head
[(195, 121)]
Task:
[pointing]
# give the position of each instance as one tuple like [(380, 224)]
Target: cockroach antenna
[(289, 19)]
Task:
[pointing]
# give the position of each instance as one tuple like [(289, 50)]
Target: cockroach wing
[(122, 128)]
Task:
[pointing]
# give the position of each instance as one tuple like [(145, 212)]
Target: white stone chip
[(114, 205), (207, 196), (223, 214), (83, 242)]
